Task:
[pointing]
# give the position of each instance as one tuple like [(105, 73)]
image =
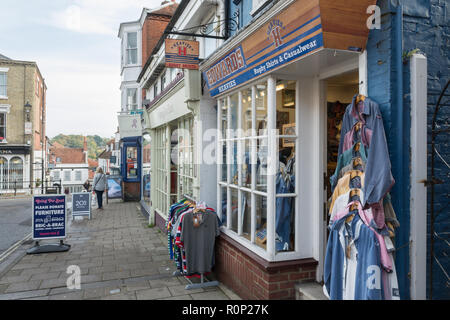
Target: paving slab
[(119, 258)]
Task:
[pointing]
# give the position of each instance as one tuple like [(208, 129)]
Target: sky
[(77, 50)]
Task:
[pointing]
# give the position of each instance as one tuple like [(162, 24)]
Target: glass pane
[(224, 161), (246, 214), (261, 219), (132, 40), (246, 112), (132, 166), (246, 163), (234, 209), (261, 165), (234, 162), (222, 212), (285, 124), (261, 108), (234, 115)]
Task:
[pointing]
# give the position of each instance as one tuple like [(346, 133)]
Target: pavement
[(118, 256)]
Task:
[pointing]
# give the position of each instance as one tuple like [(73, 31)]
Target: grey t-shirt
[(199, 241)]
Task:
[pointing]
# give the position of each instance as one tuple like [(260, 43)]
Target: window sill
[(4, 97)]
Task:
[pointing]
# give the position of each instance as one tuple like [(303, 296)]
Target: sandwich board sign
[(49, 222), (49, 217), (81, 204)]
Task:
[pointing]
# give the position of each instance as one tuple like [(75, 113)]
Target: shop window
[(160, 170), (244, 197), (3, 173), (15, 172), (132, 48), (132, 163), (2, 127), (186, 162)]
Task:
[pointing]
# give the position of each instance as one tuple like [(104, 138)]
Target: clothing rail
[(203, 283)]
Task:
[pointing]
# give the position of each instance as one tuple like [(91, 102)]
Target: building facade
[(23, 141), (278, 89), (70, 167)]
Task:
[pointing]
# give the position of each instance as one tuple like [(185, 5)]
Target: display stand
[(203, 283)]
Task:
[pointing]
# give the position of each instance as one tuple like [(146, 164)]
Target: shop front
[(282, 88)]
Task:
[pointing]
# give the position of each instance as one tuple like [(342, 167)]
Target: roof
[(92, 163), (56, 144), (67, 155), (4, 57), (105, 155)]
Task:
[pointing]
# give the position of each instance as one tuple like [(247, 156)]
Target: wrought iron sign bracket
[(231, 24)]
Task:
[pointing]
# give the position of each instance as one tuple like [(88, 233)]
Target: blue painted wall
[(243, 7), (425, 27)]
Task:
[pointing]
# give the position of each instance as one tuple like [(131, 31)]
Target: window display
[(244, 195)]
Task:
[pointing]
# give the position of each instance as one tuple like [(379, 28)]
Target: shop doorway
[(339, 92)]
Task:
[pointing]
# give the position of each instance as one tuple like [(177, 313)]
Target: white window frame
[(133, 105), (256, 5), (5, 72), (127, 49), (5, 126), (269, 253)]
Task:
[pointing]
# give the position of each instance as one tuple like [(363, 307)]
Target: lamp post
[(28, 129)]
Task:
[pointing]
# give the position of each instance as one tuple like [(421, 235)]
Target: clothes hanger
[(360, 97), (357, 161)]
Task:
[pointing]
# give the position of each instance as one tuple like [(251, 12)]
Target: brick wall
[(425, 27), (254, 278), (152, 31)]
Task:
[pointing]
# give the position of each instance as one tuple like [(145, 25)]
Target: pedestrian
[(99, 186), (87, 185)]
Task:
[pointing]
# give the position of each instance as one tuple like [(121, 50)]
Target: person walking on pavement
[(99, 186)]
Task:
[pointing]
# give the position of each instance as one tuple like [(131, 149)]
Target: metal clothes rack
[(203, 283)]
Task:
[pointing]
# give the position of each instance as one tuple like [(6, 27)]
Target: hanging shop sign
[(81, 204), (130, 125), (49, 217), (182, 54), (301, 29)]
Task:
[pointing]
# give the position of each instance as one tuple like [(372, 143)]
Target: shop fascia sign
[(302, 28), (130, 125), (182, 54)]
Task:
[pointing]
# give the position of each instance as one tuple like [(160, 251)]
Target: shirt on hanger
[(379, 179)]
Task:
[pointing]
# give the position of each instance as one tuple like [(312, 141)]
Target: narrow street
[(15, 221)]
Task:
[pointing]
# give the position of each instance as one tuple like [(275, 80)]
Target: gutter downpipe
[(399, 124)]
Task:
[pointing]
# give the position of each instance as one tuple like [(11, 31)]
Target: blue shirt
[(378, 177), (368, 282)]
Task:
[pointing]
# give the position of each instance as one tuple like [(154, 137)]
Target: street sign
[(49, 217), (81, 204)]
